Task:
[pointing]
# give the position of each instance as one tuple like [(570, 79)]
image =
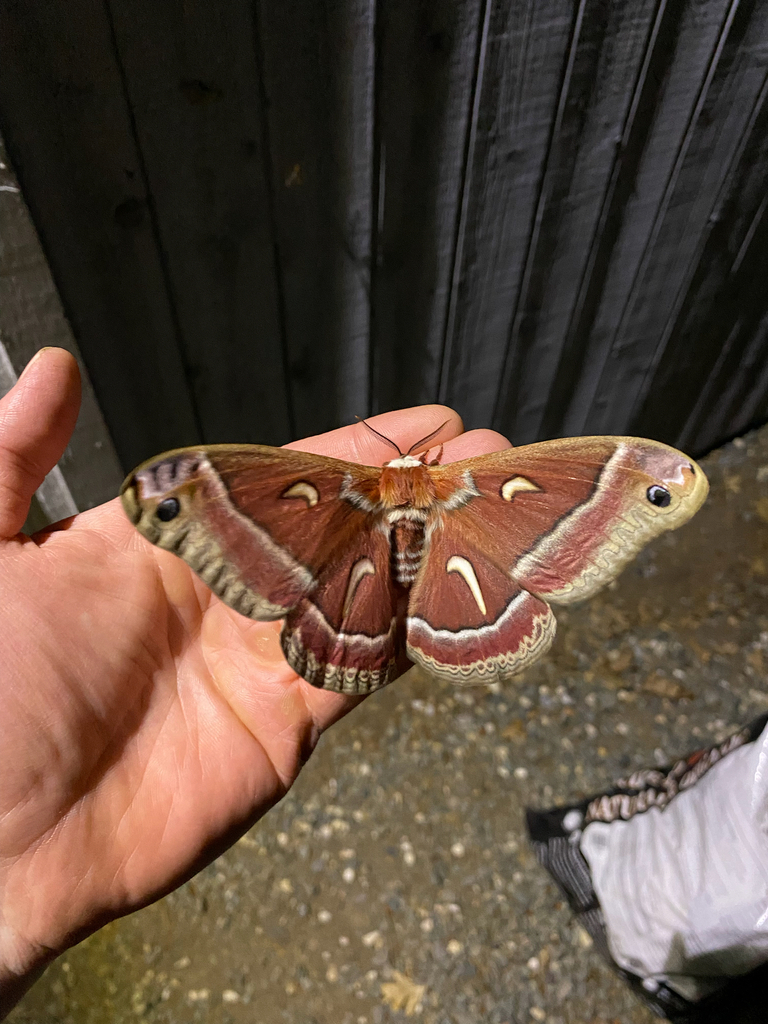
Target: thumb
[(37, 418)]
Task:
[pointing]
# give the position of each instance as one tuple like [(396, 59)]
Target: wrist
[(14, 986), (21, 964), (17, 979)]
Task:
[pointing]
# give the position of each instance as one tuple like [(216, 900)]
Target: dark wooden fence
[(265, 218)]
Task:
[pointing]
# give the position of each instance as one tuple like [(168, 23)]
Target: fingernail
[(34, 359)]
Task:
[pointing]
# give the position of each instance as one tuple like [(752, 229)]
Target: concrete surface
[(395, 882)]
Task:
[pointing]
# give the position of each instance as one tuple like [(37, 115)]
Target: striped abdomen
[(407, 548)]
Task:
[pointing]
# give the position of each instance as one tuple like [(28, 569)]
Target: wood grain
[(267, 219)]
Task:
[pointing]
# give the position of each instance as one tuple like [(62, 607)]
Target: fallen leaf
[(515, 731), (733, 483), (660, 686), (761, 507), (403, 994), (701, 653), (689, 622), (620, 659), (726, 648), (611, 681), (755, 659), (294, 177)]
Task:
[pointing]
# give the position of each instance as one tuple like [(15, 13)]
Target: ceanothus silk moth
[(453, 567)]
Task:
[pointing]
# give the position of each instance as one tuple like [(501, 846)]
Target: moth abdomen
[(407, 540)]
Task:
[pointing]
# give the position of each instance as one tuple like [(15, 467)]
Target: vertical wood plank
[(604, 61), (427, 70), (319, 87), (723, 305), (740, 391), (703, 172), (661, 219), (521, 64), (192, 83), (68, 128)]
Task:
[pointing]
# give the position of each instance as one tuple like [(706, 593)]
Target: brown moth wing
[(564, 517), (467, 620), (345, 634), (554, 521), (257, 524)]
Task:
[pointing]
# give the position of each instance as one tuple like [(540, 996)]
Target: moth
[(451, 566)]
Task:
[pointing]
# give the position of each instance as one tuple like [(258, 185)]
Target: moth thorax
[(406, 484), (407, 547)]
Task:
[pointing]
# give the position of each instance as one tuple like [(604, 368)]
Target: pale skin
[(144, 726)]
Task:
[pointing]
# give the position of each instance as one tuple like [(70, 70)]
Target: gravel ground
[(396, 882)]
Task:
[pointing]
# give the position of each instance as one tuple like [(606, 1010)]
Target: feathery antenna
[(427, 438), (383, 438)]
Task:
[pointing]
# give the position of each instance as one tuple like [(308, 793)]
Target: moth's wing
[(549, 522), (344, 634), (255, 523), (564, 517), (278, 533), (468, 621)]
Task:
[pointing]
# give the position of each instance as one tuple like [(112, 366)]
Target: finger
[(404, 427), (473, 442), (37, 418)]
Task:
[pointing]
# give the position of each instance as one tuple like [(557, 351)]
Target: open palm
[(143, 724)]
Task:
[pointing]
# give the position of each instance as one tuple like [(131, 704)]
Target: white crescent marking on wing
[(465, 569), (517, 483), (302, 489), (363, 567)]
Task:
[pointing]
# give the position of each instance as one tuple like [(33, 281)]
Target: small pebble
[(572, 820)]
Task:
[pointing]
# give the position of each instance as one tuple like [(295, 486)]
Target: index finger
[(404, 427)]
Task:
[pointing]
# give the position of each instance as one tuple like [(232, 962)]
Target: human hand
[(145, 725)]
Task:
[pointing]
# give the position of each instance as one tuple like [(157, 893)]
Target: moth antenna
[(429, 437), (383, 438)]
